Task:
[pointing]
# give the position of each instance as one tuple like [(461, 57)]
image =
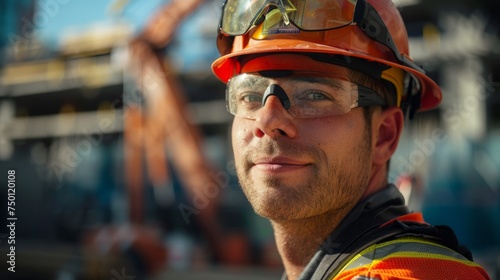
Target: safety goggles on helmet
[(304, 94), (311, 15), (239, 16)]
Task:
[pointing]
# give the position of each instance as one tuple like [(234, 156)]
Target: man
[(320, 90)]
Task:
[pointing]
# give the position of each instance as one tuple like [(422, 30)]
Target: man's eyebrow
[(250, 81)]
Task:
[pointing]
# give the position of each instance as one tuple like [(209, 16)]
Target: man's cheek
[(241, 136)]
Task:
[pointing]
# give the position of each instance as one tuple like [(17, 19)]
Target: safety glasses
[(239, 16), (310, 15), (304, 94)]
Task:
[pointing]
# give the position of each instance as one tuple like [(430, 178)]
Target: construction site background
[(118, 134)]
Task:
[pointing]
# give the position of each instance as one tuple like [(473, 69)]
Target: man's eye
[(251, 98), (315, 96)]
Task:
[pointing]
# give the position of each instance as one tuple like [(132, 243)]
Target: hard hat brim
[(228, 65)]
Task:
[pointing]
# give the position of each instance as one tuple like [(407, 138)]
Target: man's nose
[(274, 120)]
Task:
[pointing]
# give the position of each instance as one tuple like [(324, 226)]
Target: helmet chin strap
[(279, 92)]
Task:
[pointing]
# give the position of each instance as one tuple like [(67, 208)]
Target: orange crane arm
[(166, 123)]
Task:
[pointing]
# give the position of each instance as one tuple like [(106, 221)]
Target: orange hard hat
[(371, 31)]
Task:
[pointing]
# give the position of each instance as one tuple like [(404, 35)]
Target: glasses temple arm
[(368, 97)]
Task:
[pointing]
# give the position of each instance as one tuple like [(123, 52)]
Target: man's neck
[(298, 240)]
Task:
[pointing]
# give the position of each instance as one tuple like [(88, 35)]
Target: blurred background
[(122, 155)]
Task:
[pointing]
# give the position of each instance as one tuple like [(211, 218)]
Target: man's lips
[(279, 164)]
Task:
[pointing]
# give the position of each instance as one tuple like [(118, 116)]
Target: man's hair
[(383, 88)]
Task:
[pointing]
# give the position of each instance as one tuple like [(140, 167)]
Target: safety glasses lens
[(310, 15), (309, 94), (238, 15)]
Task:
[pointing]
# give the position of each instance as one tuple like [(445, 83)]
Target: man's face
[(293, 168)]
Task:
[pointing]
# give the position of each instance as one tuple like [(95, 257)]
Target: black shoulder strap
[(450, 240)]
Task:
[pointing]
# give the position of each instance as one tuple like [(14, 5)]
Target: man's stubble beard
[(331, 187)]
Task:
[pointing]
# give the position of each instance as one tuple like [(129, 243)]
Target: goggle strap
[(370, 22)]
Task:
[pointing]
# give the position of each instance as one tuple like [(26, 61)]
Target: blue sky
[(195, 45), (55, 17)]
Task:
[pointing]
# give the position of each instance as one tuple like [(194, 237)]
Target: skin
[(305, 175)]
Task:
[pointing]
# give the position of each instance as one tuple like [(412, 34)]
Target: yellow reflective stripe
[(404, 247)]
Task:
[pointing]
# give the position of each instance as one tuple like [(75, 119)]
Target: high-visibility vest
[(409, 258), (380, 240)]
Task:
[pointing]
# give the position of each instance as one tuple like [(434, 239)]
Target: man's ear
[(387, 126)]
